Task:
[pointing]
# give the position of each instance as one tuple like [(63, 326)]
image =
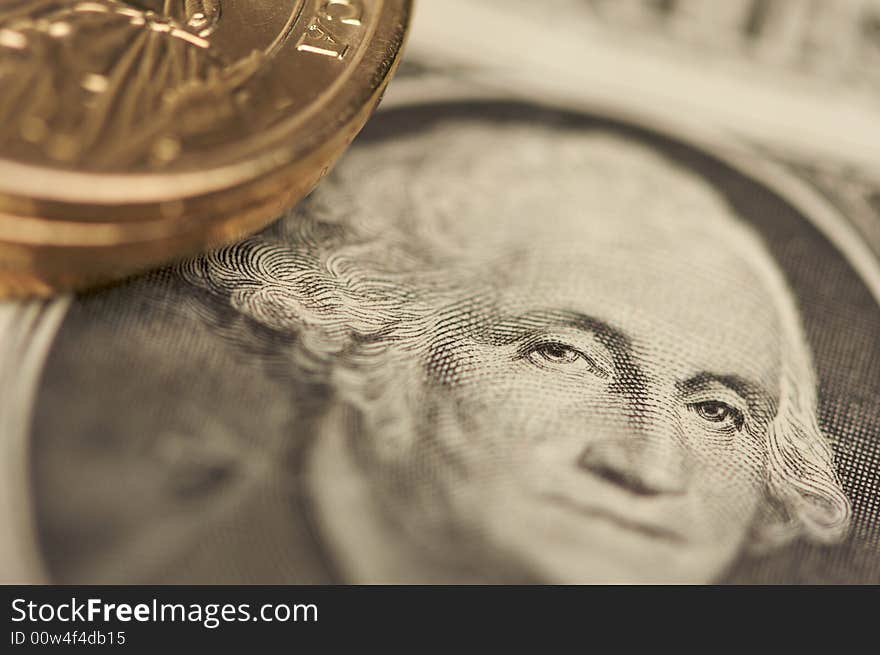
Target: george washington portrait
[(498, 345)]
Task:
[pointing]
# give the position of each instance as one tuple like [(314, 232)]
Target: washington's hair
[(356, 277), (803, 487)]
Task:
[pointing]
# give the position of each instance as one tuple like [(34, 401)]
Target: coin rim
[(43, 192)]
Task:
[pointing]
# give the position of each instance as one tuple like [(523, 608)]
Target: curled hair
[(806, 494)]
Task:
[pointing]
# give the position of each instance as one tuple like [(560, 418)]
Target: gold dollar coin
[(135, 132)]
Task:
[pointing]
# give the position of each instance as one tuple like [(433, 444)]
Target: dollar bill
[(534, 328), (796, 79)]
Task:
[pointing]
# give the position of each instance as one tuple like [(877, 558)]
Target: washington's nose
[(637, 466)]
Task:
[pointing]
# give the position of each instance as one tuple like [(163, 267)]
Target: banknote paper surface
[(539, 325)]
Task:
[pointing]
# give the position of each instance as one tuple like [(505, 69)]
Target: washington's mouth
[(653, 531)]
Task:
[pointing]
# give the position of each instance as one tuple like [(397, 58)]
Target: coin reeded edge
[(41, 255)]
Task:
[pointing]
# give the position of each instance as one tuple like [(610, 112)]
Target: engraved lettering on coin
[(325, 34)]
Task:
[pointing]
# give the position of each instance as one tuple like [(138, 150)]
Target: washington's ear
[(379, 382), (772, 529)]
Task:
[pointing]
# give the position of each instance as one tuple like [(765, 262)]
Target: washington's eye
[(715, 411), (555, 355)]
